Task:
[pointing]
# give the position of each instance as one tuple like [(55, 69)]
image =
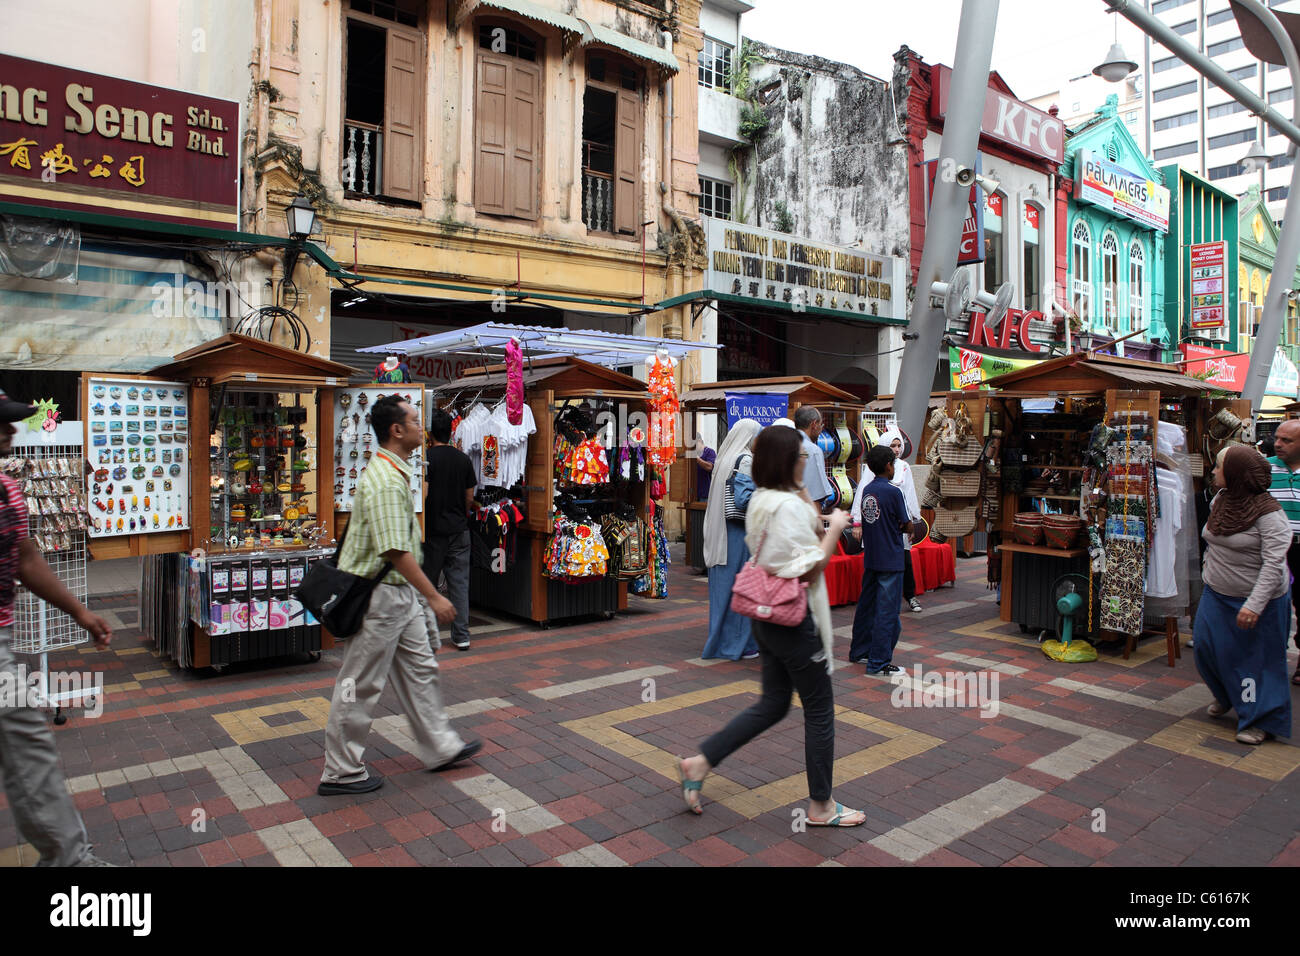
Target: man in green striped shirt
[(394, 640), (1285, 487)]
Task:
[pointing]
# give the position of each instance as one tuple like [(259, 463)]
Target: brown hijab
[(1244, 498)]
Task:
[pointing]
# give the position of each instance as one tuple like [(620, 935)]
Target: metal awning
[(594, 33), (524, 8), (490, 339)]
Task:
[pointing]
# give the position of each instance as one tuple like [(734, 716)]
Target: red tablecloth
[(932, 564)]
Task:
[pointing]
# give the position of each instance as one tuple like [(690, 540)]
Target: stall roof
[(494, 376), (241, 356), (1082, 372), (491, 338), (709, 393)]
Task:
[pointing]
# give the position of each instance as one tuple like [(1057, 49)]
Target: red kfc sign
[(1016, 325), (1007, 120), (971, 249)]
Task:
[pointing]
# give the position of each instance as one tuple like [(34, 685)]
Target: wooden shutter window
[(403, 121), (491, 123), (627, 163), (524, 138)]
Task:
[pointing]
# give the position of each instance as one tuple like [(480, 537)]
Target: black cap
[(11, 411)]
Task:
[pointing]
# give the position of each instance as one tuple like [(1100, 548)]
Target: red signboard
[(972, 229), (76, 140), (1007, 120), (1209, 303), (1227, 371), (1015, 324)]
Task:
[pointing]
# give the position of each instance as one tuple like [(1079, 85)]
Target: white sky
[(1040, 44)]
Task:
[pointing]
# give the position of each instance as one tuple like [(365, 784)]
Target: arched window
[(1137, 292), (995, 268), (1110, 280), (1081, 271)]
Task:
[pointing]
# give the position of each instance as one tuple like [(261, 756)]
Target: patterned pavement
[(1110, 763)]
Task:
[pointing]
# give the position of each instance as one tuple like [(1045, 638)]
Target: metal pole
[(958, 148)]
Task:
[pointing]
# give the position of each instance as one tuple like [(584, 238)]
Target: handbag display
[(338, 599), (763, 596), (740, 487)]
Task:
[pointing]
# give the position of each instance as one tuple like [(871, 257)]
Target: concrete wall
[(720, 25)]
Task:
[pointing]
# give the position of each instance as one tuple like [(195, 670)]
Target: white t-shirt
[(1162, 582)]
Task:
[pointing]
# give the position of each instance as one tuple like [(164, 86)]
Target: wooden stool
[(1172, 647)]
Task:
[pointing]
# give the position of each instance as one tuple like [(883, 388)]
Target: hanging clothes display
[(514, 383), (497, 449), (576, 551), (663, 410), (654, 583), (629, 545)]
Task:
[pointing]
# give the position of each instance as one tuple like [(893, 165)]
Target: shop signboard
[(76, 140), (970, 367), (1007, 120), (1283, 378), (1227, 371), (762, 408), (971, 249), (1121, 192), (1208, 291), (775, 267), (1014, 328)]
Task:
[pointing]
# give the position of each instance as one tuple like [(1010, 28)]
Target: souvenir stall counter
[(212, 467), (1086, 469), (566, 516), (843, 441)]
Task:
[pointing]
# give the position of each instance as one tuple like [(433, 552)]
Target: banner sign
[(1228, 371), (1006, 119), (76, 140), (1121, 192), (1283, 378), (762, 408), (971, 368), (765, 265), (971, 249), (1208, 264)]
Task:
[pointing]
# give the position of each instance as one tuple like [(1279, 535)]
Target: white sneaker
[(914, 605)]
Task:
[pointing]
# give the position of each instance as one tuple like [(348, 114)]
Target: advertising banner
[(970, 368), (971, 249), (1208, 303), (762, 408), (1121, 192), (76, 140)]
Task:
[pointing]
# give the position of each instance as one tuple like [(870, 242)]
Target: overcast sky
[(1040, 44)]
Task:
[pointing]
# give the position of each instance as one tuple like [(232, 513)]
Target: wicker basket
[(992, 508), (960, 484), (930, 498), (1062, 531), (1027, 526), (956, 522), (959, 455)]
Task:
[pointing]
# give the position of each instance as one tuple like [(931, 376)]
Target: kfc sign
[(1016, 322), (971, 249), (1008, 120)]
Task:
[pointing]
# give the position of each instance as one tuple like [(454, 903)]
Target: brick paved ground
[(1110, 763)]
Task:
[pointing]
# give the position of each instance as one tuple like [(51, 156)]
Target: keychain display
[(354, 442), (55, 498)]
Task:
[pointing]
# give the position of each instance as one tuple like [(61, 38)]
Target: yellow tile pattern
[(125, 651), (22, 855), (153, 675), (1270, 760), (900, 743), (248, 726), (1148, 649), (125, 685)]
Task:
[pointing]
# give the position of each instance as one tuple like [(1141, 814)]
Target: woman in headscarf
[(1244, 616), (730, 635), (902, 480)]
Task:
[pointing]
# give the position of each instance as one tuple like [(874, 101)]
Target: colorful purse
[(765, 597)]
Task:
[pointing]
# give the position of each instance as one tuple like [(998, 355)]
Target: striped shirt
[(383, 519), (1285, 487), (13, 528)]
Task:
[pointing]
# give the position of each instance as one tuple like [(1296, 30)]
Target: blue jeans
[(876, 623)]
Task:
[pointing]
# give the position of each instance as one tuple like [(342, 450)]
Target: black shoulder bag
[(338, 599)]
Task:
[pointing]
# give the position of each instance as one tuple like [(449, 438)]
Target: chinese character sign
[(76, 140)]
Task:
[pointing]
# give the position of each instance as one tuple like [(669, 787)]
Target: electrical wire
[(805, 348)]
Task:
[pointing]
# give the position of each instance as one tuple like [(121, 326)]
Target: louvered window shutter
[(627, 163), (403, 119), (524, 139)]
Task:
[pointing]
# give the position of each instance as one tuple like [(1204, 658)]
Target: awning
[(490, 339), (594, 33), (525, 8)]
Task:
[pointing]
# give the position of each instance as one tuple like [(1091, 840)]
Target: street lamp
[(1116, 66), (1255, 159), (300, 217)]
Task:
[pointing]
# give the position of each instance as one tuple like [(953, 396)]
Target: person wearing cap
[(43, 809)]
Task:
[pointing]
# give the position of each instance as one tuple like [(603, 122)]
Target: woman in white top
[(785, 534), (903, 481)]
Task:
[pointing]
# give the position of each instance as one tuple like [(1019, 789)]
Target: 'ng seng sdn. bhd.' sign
[(76, 140)]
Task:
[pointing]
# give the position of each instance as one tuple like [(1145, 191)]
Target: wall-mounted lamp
[(300, 220)]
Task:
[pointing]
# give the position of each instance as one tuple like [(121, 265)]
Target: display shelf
[(355, 444)]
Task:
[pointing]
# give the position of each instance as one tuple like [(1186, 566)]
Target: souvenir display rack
[(250, 402), (524, 589), (836, 405), (355, 443)]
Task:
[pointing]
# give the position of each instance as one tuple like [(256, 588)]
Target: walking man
[(1285, 487), (808, 422), (446, 508), (38, 796), (394, 638), (876, 623)]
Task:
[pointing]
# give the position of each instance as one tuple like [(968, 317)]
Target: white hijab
[(738, 442)]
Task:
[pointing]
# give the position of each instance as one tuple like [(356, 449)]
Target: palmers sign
[(76, 140), (776, 267)]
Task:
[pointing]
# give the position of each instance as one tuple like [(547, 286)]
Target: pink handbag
[(763, 596)]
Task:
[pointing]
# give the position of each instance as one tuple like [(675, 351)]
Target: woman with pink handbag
[(792, 625)]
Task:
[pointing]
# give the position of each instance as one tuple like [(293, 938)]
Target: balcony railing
[(363, 158), (598, 201)]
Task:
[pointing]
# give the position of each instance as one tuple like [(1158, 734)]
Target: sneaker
[(462, 643), (749, 657), (912, 603), (469, 750), (372, 782), (889, 670)]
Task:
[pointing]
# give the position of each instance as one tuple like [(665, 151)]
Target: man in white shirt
[(808, 422)]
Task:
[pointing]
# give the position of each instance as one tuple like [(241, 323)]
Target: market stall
[(843, 441), (1086, 469), (216, 467)]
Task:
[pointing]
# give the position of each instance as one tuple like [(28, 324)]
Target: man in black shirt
[(446, 525)]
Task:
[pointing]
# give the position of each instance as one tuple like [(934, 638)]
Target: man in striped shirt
[(1285, 487), (394, 640)]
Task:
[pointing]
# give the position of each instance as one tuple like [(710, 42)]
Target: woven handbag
[(956, 522), (960, 484), (959, 454)]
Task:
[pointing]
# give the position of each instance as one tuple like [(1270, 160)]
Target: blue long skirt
[(1246, 669), (729, 633)]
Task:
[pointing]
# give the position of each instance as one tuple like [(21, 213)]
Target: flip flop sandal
[(838, 819), (688, 785), (1253, 736)]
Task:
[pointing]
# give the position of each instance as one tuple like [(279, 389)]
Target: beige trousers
[(393, 642)]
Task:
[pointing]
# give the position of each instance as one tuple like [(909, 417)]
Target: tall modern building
[(1196, 124)]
